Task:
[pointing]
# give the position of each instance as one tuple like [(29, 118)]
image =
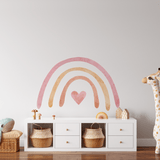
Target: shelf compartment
[(31, 126), (88, 125)]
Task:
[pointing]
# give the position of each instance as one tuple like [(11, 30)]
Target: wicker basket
[(41, 138), (41, 143), (93, 138), (9, 145)]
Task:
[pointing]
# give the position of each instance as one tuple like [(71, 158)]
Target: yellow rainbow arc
[(100, 81)]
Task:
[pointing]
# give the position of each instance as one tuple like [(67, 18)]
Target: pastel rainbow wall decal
[(100, 81), (62, 98), (82, 59)]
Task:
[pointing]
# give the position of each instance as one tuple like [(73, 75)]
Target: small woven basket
[(93, 138), (9, 145), (41, 138)]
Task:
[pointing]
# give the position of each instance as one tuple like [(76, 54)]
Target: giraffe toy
[(153, 80)]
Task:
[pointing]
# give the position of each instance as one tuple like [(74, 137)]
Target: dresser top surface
[(80, 120)]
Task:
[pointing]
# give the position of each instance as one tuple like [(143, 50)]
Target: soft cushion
[(9, 126), (6, 124), (12, 134)]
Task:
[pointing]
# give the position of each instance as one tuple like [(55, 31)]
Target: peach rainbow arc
[(82, 59), (99, 80), (62, 98)]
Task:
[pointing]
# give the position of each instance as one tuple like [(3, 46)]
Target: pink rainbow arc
[(82, 59)]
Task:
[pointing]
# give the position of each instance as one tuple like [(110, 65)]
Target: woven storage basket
[(9, 145), (41, 138), (93, 138)]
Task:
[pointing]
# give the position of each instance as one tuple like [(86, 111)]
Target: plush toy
[(6, 125), (153, 80)]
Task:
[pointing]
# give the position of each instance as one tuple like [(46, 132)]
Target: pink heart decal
[(78, 97)]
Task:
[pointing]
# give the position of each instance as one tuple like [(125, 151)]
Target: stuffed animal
[(6, 125), (153, 80)]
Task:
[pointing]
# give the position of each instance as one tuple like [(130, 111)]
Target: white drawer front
[(120, 142), (67, 129), (67, 142), (120, 129)]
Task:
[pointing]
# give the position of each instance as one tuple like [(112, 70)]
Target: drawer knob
[(67, 129), (67, 142), (120, 141), (120, 129)]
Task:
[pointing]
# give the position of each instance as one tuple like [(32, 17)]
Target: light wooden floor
[(141, 154)]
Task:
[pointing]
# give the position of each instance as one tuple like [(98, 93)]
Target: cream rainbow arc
[(81, 59)]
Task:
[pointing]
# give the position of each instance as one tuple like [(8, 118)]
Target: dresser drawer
[(67, 141), (67, 129), (120, 142), (120, 129)]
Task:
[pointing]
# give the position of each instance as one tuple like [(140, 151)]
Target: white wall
[(121, 35)]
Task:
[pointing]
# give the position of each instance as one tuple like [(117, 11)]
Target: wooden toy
[(153, 80), (125, 114), (101, 115), (54, 116), (34, 110), (39, 115), (119, 113)]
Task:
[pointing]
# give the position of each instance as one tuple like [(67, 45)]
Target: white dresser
[(120, 135)]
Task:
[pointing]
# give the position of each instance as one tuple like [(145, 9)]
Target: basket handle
[(37, 125), (93, 124)]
